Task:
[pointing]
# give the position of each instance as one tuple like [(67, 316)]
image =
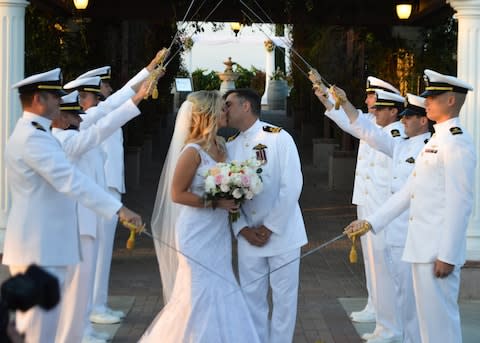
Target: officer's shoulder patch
[(38, 126), (456, 130), (395, 133), (231, 138), (272, 129)]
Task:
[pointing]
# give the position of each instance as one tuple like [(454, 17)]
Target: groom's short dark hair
[(249, 95)]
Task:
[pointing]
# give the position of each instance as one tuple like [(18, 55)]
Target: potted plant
[(277, 91)]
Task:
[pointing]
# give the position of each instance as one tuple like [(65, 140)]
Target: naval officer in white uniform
[(440, 195), (42, 226), (270, 230), (403, 153), (82, 149), (363, 187), (112, 149)]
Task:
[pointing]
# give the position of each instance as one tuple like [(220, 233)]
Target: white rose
[(249, 195), (237, 193), (210, 184), (224, 187)]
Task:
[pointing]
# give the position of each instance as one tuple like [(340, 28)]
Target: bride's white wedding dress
[(206, 305)]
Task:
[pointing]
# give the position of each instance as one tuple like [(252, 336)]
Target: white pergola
[(12, 40)]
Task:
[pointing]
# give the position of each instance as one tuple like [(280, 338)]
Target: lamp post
[(236, 27), (404, 9), (80, 4)]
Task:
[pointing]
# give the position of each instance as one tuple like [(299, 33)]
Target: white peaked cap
[(415, 105), (374, 83), (50, 81), (436, 83), (388, 99), (105, 73), (88, 84)]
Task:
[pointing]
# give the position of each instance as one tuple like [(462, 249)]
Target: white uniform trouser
[(437, 307), (75, 307), (284, 284), (367, 252), (387, 314), (38, 324), (104, 261), (402, 276)]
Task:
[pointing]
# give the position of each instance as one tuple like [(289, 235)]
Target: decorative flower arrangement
[(235, 180), (188, 44), (269, 46), (278, 74)]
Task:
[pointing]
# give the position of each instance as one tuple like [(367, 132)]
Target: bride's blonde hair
[(206, 108)]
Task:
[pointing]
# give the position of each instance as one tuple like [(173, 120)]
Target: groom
[(270, 230)]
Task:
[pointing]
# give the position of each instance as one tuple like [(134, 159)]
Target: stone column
[(269, 69), (468, 16), (12, 38)]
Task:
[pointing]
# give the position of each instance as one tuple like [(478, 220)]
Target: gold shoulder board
[(231, 138), (38, 126), (456, 130), (272, 129), (395, 133)]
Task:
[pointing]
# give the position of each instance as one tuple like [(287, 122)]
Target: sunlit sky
[(213, 48)]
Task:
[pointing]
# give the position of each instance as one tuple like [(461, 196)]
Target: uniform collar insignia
[(456, 130), (410, 160), (426, 141)]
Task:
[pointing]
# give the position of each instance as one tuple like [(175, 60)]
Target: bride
[(192, 238)]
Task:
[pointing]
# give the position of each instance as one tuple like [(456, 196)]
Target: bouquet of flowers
[(235, 180)]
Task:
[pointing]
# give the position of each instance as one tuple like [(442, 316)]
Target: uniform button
[(372, 164), (411, 218), (246, 145), (395, 177), (413, 196), (366, 192), (368, 177)]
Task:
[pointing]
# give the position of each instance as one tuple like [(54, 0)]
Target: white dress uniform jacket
[(113, 146), (440, 195), (42, 225), (363, 177), (403, 153), (276, 206), (81, 147)]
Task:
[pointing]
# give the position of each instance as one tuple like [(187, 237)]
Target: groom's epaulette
[(231, 138), (272, 129)]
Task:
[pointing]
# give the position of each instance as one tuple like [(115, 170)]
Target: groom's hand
[(264, 233), (252, 236)]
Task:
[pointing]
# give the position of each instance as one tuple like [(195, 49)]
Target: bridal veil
[(165, 211)]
